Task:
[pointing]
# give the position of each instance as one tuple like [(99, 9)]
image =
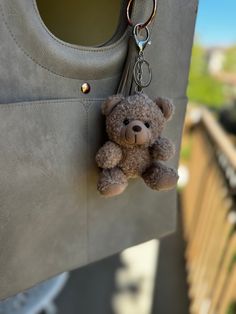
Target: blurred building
[(215, 59)]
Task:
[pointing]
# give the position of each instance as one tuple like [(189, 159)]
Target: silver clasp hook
[(141, 42)]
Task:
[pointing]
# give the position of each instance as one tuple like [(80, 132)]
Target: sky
[(216, 22)]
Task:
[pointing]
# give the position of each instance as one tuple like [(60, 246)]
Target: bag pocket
[(43, 190)]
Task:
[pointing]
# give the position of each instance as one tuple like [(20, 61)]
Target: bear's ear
[(166, 107), (110, 103)]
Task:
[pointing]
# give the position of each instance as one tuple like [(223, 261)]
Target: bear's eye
[(126, 121), (147, 125)]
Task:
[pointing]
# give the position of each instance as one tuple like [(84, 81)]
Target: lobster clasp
[(141, 41)]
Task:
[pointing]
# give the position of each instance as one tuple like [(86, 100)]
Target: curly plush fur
[(135, 147)]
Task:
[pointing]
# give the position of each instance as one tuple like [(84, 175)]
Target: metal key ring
[(149, 20)]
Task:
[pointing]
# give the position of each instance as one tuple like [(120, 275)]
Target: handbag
[(52, 218)]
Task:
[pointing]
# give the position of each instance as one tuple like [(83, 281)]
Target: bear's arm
[(109, 155), (162, 149)]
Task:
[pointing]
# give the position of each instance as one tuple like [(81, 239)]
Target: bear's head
[(135, 120)]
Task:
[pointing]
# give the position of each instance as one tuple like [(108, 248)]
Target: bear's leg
[(160, 177), (112, 182)]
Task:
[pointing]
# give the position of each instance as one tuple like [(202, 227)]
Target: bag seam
[(85, 103), (35, 61)]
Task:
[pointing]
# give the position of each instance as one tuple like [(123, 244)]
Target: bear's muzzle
[(135, 133)]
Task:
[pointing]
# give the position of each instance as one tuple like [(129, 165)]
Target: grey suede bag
[(52, 218)]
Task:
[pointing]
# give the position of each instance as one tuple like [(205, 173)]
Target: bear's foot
[(160, 177), (112, 182)]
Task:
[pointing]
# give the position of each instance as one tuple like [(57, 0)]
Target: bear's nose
[(137, 128)]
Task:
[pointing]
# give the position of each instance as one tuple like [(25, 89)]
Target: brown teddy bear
[(134, 125)]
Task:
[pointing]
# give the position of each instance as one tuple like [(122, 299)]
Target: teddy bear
[(135, 147)]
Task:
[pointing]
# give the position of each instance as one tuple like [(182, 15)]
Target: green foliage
[(231, 308), (232, 263), (186, 150), (206, 90), (185, 153), (198, 62), (230, 59), (203, 88)]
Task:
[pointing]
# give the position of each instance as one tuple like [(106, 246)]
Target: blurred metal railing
[(209, 217)]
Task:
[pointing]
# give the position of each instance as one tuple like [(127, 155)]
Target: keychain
[(140, 62), (134, 124)]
